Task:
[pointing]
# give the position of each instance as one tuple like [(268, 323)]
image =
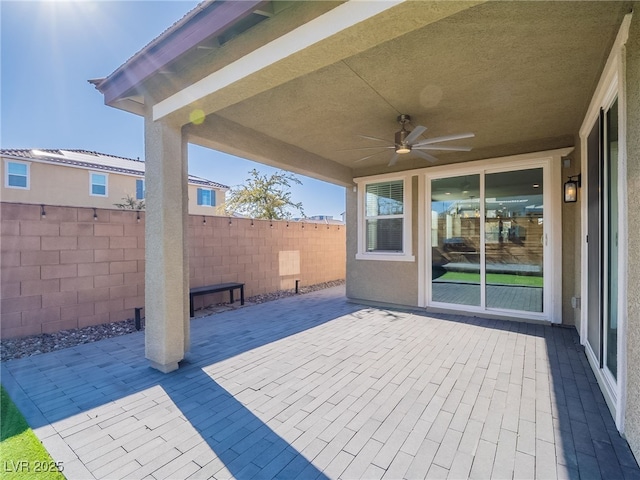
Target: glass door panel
[(611, 323), (594, 242), (514, 240), (455, 240)]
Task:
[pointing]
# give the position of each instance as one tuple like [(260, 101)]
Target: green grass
[(493, 279), (21, 453)]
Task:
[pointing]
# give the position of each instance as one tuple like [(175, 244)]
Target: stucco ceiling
[(519, 75)]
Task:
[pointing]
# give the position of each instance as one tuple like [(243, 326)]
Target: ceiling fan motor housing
[(401, 136), (401, 143)]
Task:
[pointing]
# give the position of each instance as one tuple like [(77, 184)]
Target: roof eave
[(206, 20)]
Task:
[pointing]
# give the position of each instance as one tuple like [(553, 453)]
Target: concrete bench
[(220, 287)]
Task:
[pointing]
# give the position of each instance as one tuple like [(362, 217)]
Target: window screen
[(384, 212)]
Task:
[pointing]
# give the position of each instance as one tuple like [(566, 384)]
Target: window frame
[(106, 184), (212, 198), (406, 255), (6, 174)]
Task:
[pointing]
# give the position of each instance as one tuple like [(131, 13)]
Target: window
[(98, 184), (384, 211), (206, 197), (17, 175), (140, 189), (385, 229)]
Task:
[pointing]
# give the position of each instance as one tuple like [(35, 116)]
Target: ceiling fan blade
[(446, 138), (368, 156), (374, 138), (393, 160), (365, 148), (415, 133), (424, 155), (442, 147)]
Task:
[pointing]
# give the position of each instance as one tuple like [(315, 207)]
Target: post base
[(169, 367)]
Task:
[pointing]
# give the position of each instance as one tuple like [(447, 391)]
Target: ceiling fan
[(407, 142)]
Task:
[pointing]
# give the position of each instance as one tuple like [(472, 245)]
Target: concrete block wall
[(67, 269), (266, 256)]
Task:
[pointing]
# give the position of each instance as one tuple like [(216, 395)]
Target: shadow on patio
[(316, 387)]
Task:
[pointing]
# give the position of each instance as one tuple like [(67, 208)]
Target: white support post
[(167, 267)]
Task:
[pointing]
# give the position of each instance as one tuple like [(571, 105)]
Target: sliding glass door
[(602, 240), (514, 240), (488, 240), (455, 240)]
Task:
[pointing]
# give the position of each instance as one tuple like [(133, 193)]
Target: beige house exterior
[(441, 219), (64, 177)]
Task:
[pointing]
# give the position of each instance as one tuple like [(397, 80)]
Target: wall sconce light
[(229, 221), (43, 214), (252, 222), (571, 187), (95, 214), (138, 216), (287, 224), (303, 225), (271, 225), (204, 220)]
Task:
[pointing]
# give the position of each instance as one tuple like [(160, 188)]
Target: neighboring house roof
[(94, 161)]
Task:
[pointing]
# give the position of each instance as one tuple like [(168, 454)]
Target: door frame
[(611, 85), (551, 162)]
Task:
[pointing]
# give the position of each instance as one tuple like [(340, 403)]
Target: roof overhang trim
[(200, 24)]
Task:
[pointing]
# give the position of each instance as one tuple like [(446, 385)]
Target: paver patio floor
[(317, 387)]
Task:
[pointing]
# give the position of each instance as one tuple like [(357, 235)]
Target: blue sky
[(48, 52)]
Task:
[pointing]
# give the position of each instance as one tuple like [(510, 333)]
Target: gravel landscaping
[(13, 348)]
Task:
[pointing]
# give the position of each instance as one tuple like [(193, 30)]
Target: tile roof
[(93, 160)]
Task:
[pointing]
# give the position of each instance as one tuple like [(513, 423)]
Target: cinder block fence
[(65, 267)]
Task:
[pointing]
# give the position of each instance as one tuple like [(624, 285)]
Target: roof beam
[(229, 137)]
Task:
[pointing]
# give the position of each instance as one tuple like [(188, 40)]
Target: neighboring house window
[(140, 189), (206, 197), (384, 228), (98, 184), (17, 175)]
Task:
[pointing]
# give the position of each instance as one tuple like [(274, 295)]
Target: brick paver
[(317, 387)]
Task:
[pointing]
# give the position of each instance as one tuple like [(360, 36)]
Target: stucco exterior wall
[(69, 186), (571, 242), (632, 420), (376, 281), (195, 209), (68, 270)]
